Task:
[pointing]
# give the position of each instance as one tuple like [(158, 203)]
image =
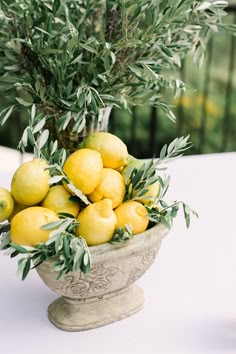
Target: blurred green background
[(206, 111)]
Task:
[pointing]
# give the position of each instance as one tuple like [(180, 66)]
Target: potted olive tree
[(64, 65)]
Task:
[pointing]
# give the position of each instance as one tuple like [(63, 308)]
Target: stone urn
[(108, 293)]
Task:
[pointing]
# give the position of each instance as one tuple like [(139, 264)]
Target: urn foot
[(82, 314)]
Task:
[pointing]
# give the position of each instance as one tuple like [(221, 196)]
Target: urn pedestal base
[(78, 315), (108, 292)]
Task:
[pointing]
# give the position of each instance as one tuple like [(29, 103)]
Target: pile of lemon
[(97, 170)]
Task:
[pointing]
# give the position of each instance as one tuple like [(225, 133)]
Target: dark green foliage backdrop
[(206, 111)]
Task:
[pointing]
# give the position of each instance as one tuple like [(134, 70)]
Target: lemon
[(97, 223), (153, 192), (26, 225), (84, 168), (111, 185), (112, 149), (17, 208), (132, 163), (6, 204), (58, 200), (132, 213), (29, 184)]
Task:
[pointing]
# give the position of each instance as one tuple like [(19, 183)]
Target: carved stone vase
[(108, 293)]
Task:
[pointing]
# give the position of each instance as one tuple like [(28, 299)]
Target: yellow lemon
[(17, 208), (26, 225), (111, 185), (112, 149), (153, 192), (6, 204), (132, 213), (132, 163), (84, 168), (97, 223), (29, 184), (58, 200)]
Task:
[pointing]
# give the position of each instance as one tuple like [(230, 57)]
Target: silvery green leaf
[(53, 237), (56, 6), (150, 72), (113, 58), (163, 152), (55, 179), (172, 146), (43, 139), (54, 147), (33, 111), (58, 267), (78, 257), (37, 88), (52, 225), (204, 5), (78, 59), (63, 156), (81, 98), (39, 125), (67, 120), (141, 193), (23, 102), (89, 48), (186, 214), (129, 228), (78, 192), (86, 259), (65, 223), (59, 243), (79, 126), (66, 248), (24, 138), (21, 264), (66, 103), (4, 239), (26, 268), (19, 248), (7, 115), (220, 2)]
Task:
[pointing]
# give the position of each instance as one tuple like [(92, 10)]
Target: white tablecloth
[(190, 290)]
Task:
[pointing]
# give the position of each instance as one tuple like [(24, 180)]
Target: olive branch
[(69, 252)]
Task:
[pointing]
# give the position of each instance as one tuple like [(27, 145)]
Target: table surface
[(190, 290)]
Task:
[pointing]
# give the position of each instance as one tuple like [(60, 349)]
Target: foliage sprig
[(70, 253), (138, 179)]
